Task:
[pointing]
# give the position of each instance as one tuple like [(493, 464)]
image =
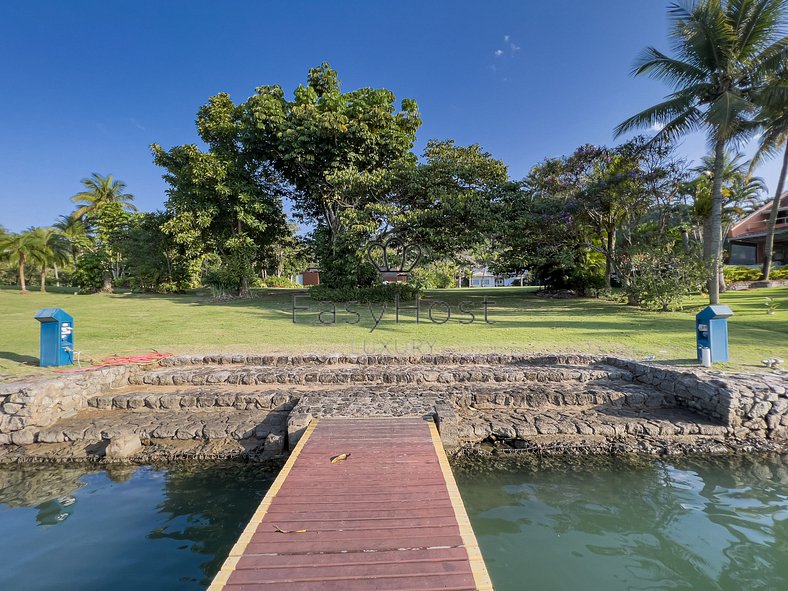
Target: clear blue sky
[(87, 85)]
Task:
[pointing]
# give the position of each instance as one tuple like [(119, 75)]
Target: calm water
[(699, 524), (710, 524), (82, 529)]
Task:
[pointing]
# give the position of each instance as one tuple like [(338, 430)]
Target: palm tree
[(101, 191), (774, 121), (76, 232), (50, 248), (19, 249), (724, 49)]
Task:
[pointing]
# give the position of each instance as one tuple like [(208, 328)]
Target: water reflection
[(122, 527), (693, 523)]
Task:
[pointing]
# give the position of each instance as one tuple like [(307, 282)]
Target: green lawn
[(126, 323)]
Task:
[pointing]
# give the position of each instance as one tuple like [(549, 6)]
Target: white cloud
[(498, 52), (506, 38), (657, 127), (514, 47)]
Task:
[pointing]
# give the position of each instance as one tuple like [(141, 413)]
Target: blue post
[(57, 337), (711, 331)]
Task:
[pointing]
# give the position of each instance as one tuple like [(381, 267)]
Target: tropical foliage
[(725, 53), (633, 216)]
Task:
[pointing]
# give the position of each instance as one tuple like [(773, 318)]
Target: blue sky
[(87, 85)]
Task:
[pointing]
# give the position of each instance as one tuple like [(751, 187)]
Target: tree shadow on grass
[(22, 359)]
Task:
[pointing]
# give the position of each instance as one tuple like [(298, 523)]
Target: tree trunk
[(243, 290), (107, 277), (768, 247), (715, 225), (611, 245), (57, 277), (44, 280), (22, 285)]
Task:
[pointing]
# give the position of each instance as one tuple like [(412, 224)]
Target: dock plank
[(389, 517)]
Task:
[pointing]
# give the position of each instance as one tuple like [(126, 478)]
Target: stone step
[(195, 399), (381, 359), (228, 423), (524, 424), (328, 375), (472, 395)]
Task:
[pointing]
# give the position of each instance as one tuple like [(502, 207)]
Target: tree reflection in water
[(185, 516), (205, 512)]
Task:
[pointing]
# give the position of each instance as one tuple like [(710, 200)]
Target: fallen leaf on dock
[(339, 458), (288, 531)]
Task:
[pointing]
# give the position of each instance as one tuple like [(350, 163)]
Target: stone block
[(296, 425), (23, 437), (123, 446)]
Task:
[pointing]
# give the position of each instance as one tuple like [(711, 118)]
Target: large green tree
[(340, 152), (723, 51), (448, 203), (225, 201)]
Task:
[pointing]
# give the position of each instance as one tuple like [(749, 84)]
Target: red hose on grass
[(113, 360)]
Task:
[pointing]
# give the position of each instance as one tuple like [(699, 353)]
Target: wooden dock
[(389, 517)]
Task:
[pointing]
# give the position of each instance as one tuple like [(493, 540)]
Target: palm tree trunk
[(611, 245), (22, 285), (715, 224), (43, 279), (57, 277), (768, 247)]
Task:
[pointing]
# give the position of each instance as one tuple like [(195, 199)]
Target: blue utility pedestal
[(57, 337), (711, 331)]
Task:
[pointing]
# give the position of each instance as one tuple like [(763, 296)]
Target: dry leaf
[(288, 531), (339, 458)]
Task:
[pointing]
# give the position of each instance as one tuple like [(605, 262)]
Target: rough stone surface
[(123, 446), (259, 405)]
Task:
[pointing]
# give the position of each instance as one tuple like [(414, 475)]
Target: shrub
[(662, 278), (278, 281), (734, 273), (375, 294), (90, 271), (777, 274), (436, 275)]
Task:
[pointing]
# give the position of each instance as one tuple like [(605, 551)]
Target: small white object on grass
[(649, 358), (772, 362)]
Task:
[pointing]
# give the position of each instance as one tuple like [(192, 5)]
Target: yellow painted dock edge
[(479, 569), (220, 580)]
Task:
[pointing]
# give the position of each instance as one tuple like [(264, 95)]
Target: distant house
[(747, 238), (483, 277), (311, 276)]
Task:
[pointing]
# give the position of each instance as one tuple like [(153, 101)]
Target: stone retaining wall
[(27, 407), (751, 404)]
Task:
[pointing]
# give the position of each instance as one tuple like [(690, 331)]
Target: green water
[(82, 529), (584, 524), (609, 525)]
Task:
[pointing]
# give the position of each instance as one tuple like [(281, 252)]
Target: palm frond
[(731, 112), (755, 22), (661, 67), (659, 114)]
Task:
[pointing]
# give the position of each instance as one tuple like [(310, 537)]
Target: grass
[(519, 321)]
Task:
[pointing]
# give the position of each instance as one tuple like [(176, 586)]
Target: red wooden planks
[(383, 519)]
